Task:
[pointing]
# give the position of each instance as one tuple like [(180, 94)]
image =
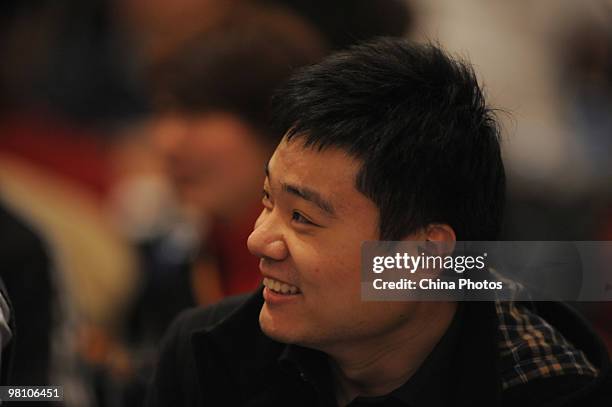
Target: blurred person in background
[(158, 27), (7, 335), (27, 273), (585, 60), (210, 128), (348, 22), (65, 84)]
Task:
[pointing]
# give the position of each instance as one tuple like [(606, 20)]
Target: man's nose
[(267, 240)]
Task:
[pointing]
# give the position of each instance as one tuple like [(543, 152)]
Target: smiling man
[(387, 141)]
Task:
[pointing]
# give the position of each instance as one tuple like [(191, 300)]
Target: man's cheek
[(342, 277)]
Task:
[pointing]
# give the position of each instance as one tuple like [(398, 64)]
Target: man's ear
[(440, 232), (441, 238)]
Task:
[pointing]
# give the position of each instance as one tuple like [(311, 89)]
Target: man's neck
[(378, 366)]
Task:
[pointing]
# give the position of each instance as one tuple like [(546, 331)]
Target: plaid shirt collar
[(530, 348)]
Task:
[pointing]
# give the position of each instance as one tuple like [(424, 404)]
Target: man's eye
[(299, 218), (265, 198)]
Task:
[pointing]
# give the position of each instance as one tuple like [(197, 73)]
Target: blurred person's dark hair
[(67, 58), (236, 66), (347, 22), (587, 53), (435, 156)]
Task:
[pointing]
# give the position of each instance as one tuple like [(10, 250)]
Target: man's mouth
[(279, 287)]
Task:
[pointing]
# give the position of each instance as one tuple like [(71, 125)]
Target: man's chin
[(275, 327)]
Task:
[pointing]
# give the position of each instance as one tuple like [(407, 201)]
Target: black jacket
[(26, 272), (219, 356)]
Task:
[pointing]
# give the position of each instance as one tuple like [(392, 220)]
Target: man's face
[(309, 237), (214, 159)]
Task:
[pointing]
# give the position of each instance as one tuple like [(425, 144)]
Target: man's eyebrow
[(311, 196), (306, 194)]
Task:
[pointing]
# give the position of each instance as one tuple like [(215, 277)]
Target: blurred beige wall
[(513, 46)]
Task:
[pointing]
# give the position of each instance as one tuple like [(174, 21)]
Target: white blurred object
[(144, 207), (509, 45)]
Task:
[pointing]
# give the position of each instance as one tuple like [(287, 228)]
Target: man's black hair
[(417, 120)]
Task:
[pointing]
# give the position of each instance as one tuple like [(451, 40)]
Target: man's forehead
[(292, 159)]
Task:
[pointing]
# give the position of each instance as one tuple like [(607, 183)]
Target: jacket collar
[(476, 366), (234, 354)]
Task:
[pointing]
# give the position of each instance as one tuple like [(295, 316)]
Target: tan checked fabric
[(531, 348)]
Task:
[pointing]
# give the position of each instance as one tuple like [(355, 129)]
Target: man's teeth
[(280, 287)]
